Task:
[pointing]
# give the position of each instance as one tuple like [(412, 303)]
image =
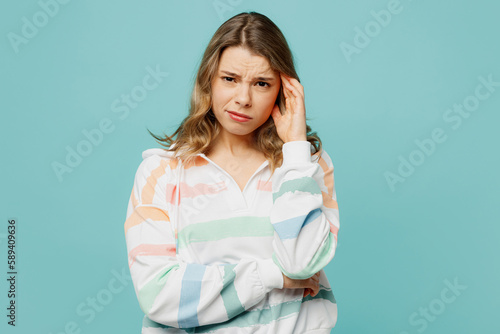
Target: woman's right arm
[(172, 292)]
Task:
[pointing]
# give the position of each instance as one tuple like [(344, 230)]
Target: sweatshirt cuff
[(298, 151), (271, 275)]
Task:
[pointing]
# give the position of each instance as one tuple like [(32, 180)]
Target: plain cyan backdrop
[(405, 96)]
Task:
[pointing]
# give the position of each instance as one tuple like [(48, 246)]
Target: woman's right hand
[(310, 285)]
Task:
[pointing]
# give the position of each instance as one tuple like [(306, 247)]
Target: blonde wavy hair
[(197, 131)]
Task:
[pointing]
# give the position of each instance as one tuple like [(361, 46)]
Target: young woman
[(228, 229)]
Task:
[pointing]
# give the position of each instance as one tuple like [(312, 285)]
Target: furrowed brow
[(257, 78)]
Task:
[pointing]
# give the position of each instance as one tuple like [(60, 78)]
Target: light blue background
[(396, 246)]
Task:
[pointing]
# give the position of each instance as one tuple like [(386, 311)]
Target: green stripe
[(254, 317), (246, 226), (322, 294), (148, 293), (229, 295), (305, 184), (318, 261), (148, 323)]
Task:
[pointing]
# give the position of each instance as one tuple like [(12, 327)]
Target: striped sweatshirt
[(207, 257)]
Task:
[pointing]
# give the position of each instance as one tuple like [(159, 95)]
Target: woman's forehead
[(243, 65)]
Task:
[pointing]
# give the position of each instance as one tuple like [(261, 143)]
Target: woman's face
[(244, 83)]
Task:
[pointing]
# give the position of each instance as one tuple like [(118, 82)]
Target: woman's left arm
[(305, 213)]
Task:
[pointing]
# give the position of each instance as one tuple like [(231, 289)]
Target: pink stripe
[(264, 186), (334, 229), (199, 189), (150, 250)]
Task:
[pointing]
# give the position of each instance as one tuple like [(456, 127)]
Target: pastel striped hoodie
[(206, 257)]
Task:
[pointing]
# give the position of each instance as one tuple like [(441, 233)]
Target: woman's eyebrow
[(257, 78)]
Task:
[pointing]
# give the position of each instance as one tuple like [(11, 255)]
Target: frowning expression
[(244, 84)]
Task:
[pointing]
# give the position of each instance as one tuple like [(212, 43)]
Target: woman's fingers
[(290, 103), (310, 285), (288, 98), (315, 288), (287, 88), (294, 86), (312, 289)]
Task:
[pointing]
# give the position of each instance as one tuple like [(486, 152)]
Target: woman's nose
[(243, 96)]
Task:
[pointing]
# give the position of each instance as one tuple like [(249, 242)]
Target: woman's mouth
[(238, 117)]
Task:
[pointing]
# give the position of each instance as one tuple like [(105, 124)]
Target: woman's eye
[(260, 83)]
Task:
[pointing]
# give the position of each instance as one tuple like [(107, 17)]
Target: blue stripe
[(190, 295), (256, 317), (290, 228)]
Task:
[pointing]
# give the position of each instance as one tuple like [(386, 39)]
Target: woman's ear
[(279, 97)]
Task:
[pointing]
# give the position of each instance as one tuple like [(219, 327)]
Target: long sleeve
[(170, 291), (305, 213)]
